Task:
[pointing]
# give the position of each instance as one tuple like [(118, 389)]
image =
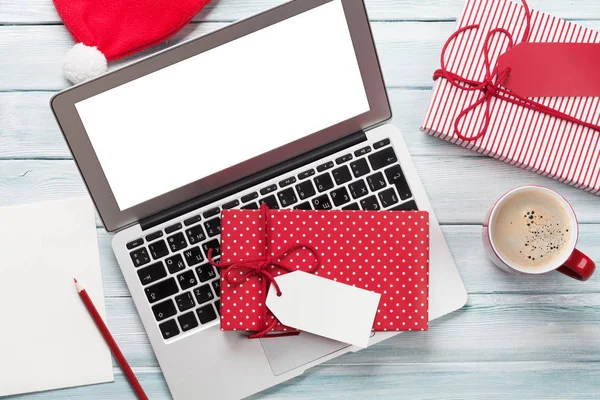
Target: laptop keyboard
[(183, 289)]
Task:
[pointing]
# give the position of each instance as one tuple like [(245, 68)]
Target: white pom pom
[(83, 62)]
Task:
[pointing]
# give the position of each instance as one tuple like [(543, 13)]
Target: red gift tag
[(552, 69)]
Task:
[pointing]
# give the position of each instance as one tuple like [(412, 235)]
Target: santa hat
[(107, 30)]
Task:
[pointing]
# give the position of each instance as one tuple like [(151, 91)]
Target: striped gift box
[(529, 139)]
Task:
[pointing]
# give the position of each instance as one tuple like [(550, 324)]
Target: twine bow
[(491, 86), (236, 273)]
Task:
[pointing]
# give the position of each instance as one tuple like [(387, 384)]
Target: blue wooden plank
[(448, 381), (42, 11)]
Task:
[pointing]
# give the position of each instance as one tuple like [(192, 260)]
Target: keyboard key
[(185, 301), (218, 306), (187, 321), (341, 175), (383, 158), (169, 329), (158, 249), (192, 220), (360, 168), (305, 190), (322, 203), (376, 181), (303, 206), (154, 236), (175, 263), (325, 166), (343, 159), (205, 272), (164, 310), (323, 182), (152, 273), (211, 212), (213, 226), (249, 196), (287, 182), (271, 202), (306, 174), (177, 242), (206, 314), (396, 177), (161, 290), (363, 151), (370, 203), (287, 197), (250, 206), (340, 196), (268, 189), (213, 244), (135, 243), (388, 197), (187, 280), (195, 234), (140, 257), (172, 228), (231, 204), (203, 294), (217, 287), (193, 256), (381, 143), (408, 206), (358, 189), (353, 206)]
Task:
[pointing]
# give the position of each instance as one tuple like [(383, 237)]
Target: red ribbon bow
[(238, 272), (492, 84)]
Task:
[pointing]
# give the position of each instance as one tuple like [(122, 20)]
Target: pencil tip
[(74, 280), (78, 285)]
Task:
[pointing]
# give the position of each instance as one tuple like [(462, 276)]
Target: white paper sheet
[(324, 307), (47, 338)]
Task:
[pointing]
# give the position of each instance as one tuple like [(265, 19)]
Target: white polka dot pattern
[(384, 251)]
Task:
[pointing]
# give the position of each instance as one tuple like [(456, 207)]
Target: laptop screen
[(227, 105)]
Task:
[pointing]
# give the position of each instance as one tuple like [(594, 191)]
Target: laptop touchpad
[(287, 353)]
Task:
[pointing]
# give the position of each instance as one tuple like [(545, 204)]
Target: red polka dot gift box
[(382, 251)]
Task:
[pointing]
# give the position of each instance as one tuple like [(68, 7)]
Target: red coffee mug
[(572, 263)]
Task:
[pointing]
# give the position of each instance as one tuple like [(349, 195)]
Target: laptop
[(287, 107)]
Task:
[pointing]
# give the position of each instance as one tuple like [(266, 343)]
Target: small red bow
[(238, 272), (492, 84)]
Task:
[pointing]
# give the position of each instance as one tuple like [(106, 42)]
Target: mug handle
[(578, 266)]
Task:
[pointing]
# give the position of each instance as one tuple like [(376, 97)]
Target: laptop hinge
[(245, 183)]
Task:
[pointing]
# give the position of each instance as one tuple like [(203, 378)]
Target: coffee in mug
[(533, 230)]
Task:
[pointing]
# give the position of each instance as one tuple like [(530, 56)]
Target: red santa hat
[(107, 30)]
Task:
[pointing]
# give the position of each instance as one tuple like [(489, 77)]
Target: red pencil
[(111, 342)]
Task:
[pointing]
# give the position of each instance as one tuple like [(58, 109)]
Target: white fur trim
[(83, 62)]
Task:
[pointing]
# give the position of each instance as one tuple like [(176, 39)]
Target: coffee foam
[(532, 229)]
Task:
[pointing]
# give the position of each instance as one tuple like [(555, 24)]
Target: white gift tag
[(324, 307)]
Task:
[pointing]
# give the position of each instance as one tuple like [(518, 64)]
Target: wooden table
[(523, 338)]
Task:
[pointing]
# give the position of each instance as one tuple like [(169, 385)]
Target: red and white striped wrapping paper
[(549, 146)]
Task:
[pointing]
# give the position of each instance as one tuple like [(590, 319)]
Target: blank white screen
[(219, 108)]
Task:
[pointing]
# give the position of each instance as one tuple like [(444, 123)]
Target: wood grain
[(448, 381), (41, 11), (461, 188)]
